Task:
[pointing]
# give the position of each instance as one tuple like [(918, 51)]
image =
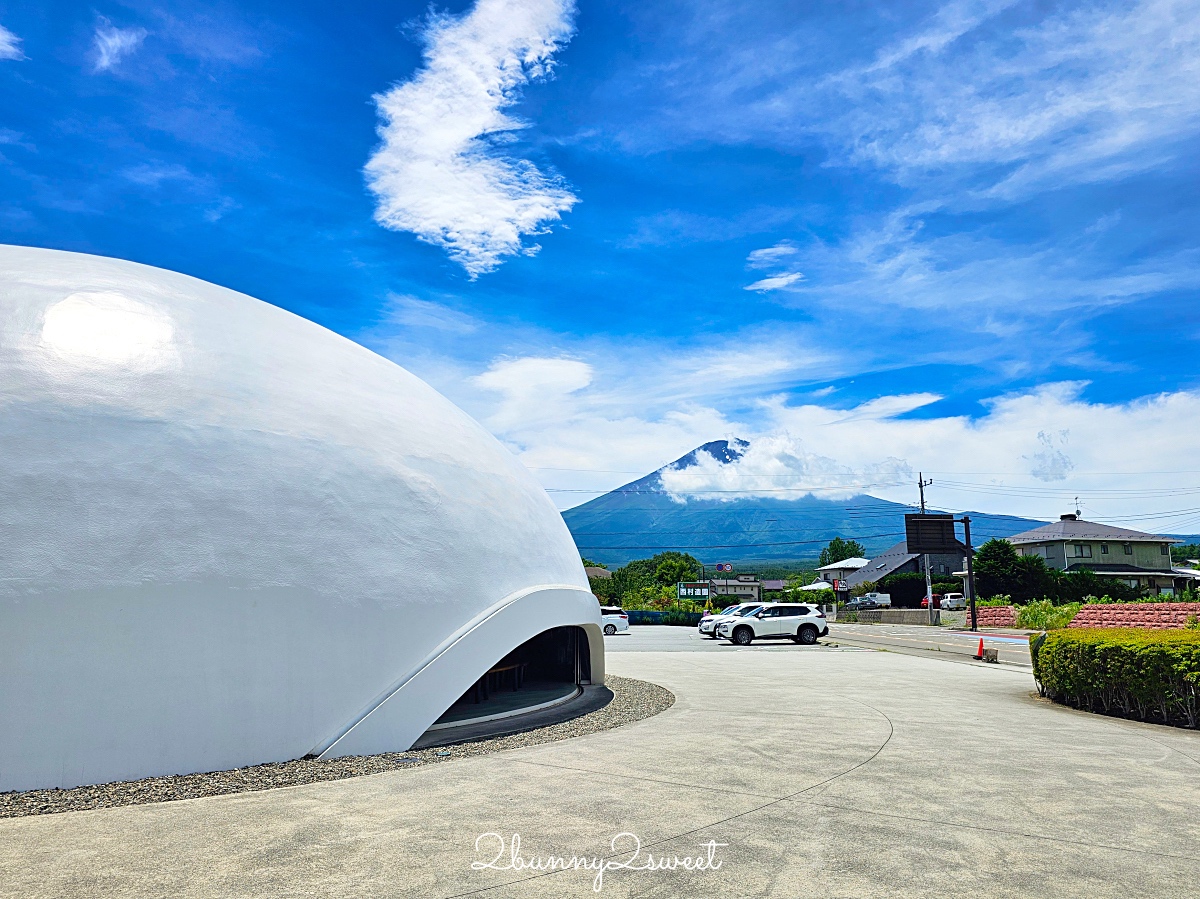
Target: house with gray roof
[(1138, 559), (898, 560)]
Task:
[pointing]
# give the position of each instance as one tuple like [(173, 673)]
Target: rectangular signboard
[(932, 534), (692, 591)]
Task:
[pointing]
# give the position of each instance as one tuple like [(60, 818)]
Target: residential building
[(745, 587), (839, 571), (898, 560), (1137, 559)]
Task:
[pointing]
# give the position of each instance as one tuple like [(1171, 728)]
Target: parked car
[(953, 601), (859, 604), (708, 626), (613, 619), (937, 601), (776, 620), (881, 600)]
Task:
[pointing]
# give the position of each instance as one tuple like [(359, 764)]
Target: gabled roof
[(882, 566), (845, 564), (1075, 529)]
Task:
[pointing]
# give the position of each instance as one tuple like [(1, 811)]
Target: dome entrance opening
[(548, 670)]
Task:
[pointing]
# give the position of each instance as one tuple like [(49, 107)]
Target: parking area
[(819, 771), (947, 643)]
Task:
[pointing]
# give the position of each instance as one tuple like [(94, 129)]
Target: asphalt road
[(941, 642), (817, 771), (1013, 649)]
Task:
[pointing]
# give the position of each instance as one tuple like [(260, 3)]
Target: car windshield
[(746, 611)]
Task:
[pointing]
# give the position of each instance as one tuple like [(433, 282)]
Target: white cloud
[(1028, 453), (775, 282), (985, 284), (534, 390), (411, 312), (1087, 94), (779, 466), (10, 45), (780, 256), (441, 172), (769, 257), (113, 44)]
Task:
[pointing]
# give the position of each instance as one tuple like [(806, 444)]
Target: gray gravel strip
[(632, 701)]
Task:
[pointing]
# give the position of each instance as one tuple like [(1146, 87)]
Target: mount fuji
[(642, 518)]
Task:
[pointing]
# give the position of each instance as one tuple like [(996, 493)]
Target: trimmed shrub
[(1151, 675), (994, 602)]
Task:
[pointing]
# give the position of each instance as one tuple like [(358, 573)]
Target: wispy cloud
[(10, 45), (113, 44), (780, 256), (411, 312), (775, 282), (441, 171), (1087, 94)]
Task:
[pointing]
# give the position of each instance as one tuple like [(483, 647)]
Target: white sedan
[(613, 619)]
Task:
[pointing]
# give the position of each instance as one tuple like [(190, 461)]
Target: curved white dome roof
[(298, 520)]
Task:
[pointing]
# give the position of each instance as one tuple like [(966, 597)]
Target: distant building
[(1137, 559), (839, 571), (745, 587), (898, 560), (774, 586), (602, 573)]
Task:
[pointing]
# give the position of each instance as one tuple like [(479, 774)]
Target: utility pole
[(921, 485), (966, 520)]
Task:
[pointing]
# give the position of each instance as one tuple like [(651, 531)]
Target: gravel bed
[(632, 701)]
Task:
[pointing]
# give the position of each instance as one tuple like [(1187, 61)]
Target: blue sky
[(874, 238)]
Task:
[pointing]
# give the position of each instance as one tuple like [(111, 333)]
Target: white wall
[(225, 532)]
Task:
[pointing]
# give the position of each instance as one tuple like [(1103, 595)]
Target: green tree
[(838, 550), (1187, 551), (631, 578), (997, 569), (588, 563)]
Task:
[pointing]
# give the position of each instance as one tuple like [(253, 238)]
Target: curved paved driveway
[(832, 773)]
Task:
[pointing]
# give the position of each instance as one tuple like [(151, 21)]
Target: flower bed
[(1143, 614), (1147, 674)]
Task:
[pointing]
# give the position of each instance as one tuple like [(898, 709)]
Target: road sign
[(698, 590), (931, 534), (724, 566)]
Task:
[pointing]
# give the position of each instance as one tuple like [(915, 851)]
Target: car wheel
[(610, 629), (807, 635), (743, 636)]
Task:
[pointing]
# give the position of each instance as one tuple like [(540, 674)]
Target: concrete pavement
[(827, 772)]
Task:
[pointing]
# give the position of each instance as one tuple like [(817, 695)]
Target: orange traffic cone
[(979, 655)]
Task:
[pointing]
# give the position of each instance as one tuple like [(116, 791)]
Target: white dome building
[(229, 536)]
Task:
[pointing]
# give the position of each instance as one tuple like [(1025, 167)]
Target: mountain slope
[(640, 519)]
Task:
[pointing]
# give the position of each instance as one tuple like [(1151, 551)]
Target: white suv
[(795, 621), (708, 626)]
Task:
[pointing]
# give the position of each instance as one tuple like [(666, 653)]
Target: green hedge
[(1144, 674)]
